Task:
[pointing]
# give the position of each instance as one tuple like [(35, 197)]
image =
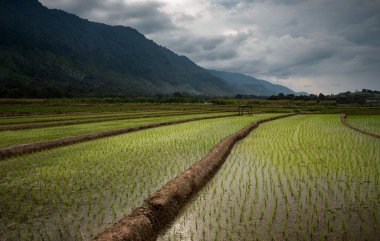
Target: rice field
[(369, 123), (306, 177), (17, 137), (74, 192), (13, 120)]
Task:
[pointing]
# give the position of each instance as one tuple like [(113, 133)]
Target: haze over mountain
[(51, 53), (248, 85)]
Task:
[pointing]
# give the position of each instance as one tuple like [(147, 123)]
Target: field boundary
[(42, 145), (343, 119), (89, 116), (160, 208), (24, 126)]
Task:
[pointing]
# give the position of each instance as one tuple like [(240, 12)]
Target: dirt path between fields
[(43, 124), (161, 207), (343, 119), (41, 145)]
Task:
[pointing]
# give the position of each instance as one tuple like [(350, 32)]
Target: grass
[(10, 138), (73, 192), (301, 178)]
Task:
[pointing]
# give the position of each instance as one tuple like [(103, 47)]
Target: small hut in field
[(248, 109)]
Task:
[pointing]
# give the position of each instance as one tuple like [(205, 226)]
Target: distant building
[(372, 101)]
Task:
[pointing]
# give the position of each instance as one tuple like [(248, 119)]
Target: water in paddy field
[(300, 178), (75, 192)]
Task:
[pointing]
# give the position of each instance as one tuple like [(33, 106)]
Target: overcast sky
[(316, 46)]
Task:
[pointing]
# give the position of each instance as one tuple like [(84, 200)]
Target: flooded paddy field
[(306, 177)]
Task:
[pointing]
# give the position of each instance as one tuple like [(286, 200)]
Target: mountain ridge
[(50, 53), (248, 85)]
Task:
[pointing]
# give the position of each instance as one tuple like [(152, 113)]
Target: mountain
[(248, 85), (51, 53)]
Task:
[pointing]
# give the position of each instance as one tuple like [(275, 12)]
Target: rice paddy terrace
[(303, 177)]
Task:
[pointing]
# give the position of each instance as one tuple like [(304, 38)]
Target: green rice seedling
[(85, 182), (369, 123), (16, 137), (310, 178)]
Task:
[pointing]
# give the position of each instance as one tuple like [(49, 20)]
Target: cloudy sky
[(316, 46)]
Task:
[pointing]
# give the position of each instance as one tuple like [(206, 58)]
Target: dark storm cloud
[(239, 4), (312, 45), (206, 48), (190, 44), (145, 16), (333, 41)]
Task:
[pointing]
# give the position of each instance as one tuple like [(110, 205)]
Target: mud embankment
[(42, 145), (161, 208), (343, 119)]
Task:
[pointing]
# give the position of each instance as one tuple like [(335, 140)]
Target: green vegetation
[(10, 138), (58, 108), (87, 106), (73, 192), (306, 177), (15, 120), (365, 96), (369, 123)]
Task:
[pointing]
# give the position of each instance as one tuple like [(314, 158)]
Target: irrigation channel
[(42, 145), (343, 119), (161, 207)]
